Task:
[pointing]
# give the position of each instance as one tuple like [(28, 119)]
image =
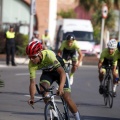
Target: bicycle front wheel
[(51, 113), (105, 93), (110, 95)]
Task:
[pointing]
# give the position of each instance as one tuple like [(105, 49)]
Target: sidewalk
[(87, 60), (18, 60)]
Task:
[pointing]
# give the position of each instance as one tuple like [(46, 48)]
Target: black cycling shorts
[(53, 76), (69, 54)]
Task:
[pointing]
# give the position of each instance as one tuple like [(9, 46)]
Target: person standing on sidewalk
[(10, 46)]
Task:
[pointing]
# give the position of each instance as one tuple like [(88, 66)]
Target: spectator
[(36, 36), (46, 40), (10, 46)]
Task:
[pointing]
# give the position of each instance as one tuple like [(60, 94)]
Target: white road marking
[(3, 66), (23, 74)]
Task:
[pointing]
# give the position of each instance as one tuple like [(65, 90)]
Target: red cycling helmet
[(33, 48)]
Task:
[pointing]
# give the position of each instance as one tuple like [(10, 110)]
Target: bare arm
[(59, 53), (32, 89), (61, 71), (80, 57), (99, 65)]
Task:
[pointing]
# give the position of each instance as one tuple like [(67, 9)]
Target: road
[(14, 96)]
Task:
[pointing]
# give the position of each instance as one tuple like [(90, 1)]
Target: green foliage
[(97, 20), (88, 4), (2, 42), (97, 34), (67, 14), (21, 43)]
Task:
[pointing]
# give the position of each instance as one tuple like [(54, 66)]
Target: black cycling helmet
[(118, 46), (70, 37)]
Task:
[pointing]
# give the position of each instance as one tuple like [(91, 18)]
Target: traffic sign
[(104, 11)]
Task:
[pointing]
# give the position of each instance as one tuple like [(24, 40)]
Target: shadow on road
[(90, 104), (21, 113), (98, 118), (13, 93)]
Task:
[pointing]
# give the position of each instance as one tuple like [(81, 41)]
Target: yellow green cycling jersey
[(74, 46), (105, 54), (116, 57), (49, 62)]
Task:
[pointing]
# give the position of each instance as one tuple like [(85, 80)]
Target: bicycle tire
[(110, 88), (50, 113), (105, 95)]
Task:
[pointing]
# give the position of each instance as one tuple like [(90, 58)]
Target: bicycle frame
[(51, 98), (108, 94)]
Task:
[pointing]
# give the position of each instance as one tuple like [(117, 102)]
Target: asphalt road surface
[(15, 94)]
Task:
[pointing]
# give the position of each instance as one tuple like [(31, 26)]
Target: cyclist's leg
[(74, 67), (67, 97), (102, 72), (46, 81), (101, 75), (115, 81)]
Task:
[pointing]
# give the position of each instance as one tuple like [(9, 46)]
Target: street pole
[(104, 16), (102, 32), (32, 13), (119, 27)]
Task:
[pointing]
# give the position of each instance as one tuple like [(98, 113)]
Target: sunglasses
[(32, 57)]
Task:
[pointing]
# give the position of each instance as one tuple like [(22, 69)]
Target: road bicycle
[(108, 86), (68, 66), (53, 110)]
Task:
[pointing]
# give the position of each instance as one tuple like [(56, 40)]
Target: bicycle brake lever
[(32, 106)]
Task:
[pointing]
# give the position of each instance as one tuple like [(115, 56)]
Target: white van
[(82, 30)]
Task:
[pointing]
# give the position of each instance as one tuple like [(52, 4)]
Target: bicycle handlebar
[(108, 67)]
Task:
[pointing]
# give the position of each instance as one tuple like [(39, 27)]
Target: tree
[(67, 14), (96, 6)]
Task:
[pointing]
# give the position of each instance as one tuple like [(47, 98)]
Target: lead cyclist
[(52, 71)]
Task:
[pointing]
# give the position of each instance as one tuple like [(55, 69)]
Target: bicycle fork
[(53, 111)]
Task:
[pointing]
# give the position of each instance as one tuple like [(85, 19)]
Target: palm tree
[(95, 6)]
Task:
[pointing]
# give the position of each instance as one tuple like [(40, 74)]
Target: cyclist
[(68, 50), (116, 63), (52, 70), (106, 55)]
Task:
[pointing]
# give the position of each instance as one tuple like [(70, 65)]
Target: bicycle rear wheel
[(50, 113), (110, 88)]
